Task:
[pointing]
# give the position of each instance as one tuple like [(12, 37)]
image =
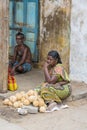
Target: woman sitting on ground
[(56, 86)]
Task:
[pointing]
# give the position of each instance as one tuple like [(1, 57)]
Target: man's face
[(19, 40)]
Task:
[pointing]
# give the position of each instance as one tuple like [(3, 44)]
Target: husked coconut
[(22, 93), (35, 93), (30, 92), (18, 96), (36, 103), (32, 98), (42, 109), (25, 96), (41, 103), (16, 104), (6, 101), (21, 104), (10, 103), (38, 96), (22, 99), (12, 98), (26, 102)]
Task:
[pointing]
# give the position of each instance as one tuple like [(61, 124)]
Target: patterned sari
[(54, 92)]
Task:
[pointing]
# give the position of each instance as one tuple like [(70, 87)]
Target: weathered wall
[(55, 28), (78, 43), (4, 32)]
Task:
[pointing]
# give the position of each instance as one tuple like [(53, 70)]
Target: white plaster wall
[(78, 42)]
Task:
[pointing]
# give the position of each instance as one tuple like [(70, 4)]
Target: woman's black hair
[(55, 55)]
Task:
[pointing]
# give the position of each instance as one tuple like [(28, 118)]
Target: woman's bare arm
[(48, 78)]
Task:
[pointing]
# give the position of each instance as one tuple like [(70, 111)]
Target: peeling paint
[(55, 30)]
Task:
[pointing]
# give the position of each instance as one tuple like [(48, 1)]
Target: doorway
[(24, 17)]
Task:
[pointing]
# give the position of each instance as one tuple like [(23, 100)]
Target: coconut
[(41, 103), (42, 109), (18, 96), (16, 104), (30, 92), (32, 98), (35, 93), (26, 96), (22, 93), (12, 98), (20, 104), (10, 103), (22, 99), (36, 103), (6, 101), (26, 102)]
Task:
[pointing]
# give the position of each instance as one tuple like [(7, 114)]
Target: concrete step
[(79, 91)]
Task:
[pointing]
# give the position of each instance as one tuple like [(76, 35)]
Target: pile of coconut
[(20, 99)]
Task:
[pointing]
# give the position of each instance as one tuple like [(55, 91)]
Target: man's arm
[(15, 54)]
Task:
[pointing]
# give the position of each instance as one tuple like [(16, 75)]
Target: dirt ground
[(32, 79), (11, 114), (74, 117)]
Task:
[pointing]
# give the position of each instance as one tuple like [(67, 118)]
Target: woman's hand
[(45, 84), (46, 65)]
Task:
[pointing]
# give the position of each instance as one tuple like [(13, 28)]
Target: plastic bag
[(12, 85)]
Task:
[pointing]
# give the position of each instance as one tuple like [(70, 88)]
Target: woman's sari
[(54, 92)]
